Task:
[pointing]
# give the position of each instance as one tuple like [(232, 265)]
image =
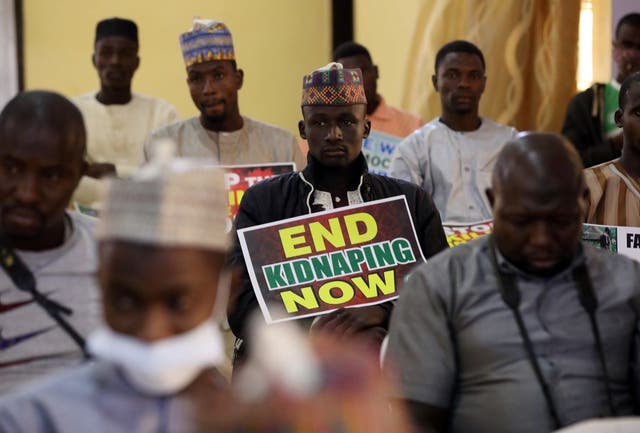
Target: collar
[(504, 265), (444, 125), (632, 183)]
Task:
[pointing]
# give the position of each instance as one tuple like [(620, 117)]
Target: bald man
[(42, 158), (455, 338)]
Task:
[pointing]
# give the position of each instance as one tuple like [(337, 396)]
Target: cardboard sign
[(378, 148), (623, 240), (347, 257), (460, 233), (240, 177)]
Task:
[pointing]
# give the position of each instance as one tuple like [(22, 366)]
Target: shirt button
[(467, 169), (471, 206), (337, 199)]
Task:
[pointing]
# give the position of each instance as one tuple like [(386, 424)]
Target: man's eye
[(319, 123), (179, 304), (218, 76), (451, 74), (125, 303), (52, 175), (195, 78), (347, 122)]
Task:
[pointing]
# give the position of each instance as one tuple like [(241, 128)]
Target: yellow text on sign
[(309, 238), (339, 292)]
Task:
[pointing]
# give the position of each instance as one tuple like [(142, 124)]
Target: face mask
[(168, 365), (165, 367)]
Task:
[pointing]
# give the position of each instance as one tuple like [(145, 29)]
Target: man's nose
[(209, 85), (334, 133), (541, 234), (114, 58), (464, 81), (156, 325), (28, 189)]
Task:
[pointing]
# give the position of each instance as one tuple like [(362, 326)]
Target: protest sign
[(240, 177), (313, 264), (460, 233), (623, 240), (378, 148)]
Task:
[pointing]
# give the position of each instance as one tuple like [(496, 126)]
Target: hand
[(350, 321), (99, 170)]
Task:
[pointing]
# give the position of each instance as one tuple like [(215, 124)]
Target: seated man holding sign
[(334, 110)]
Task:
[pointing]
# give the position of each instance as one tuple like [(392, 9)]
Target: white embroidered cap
[(170, 202)]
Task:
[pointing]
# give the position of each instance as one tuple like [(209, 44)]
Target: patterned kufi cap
[(206, 41), (169, 202), (333, 85)]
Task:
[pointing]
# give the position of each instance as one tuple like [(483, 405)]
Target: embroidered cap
[(207, 40), (333, 85), (169, 202)]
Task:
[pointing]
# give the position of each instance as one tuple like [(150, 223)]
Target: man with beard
[(334, 124), (221, 132), (117, 119), (590, 124), (48, 253), (528, 329), (452, 156)]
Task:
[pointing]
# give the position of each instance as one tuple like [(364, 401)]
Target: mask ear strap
[(222, 296)]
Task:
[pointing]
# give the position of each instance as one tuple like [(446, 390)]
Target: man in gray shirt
[(42, 158), (496, 335)]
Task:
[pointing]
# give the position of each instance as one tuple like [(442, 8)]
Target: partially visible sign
[(460, 233), (240, 177), (623, 240), (346, 257), (378, 148)]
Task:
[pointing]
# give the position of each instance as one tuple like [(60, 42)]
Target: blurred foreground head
[(161, 271)]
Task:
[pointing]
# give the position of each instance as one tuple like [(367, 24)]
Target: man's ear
[(367, 127), (301, 129), (239, 78), (434, 81), (490, 196), (375, 71), (618, 118), (93, 60), (137, 63)]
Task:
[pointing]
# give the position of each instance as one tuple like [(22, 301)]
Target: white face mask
[(165, 367), (168, 365)]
